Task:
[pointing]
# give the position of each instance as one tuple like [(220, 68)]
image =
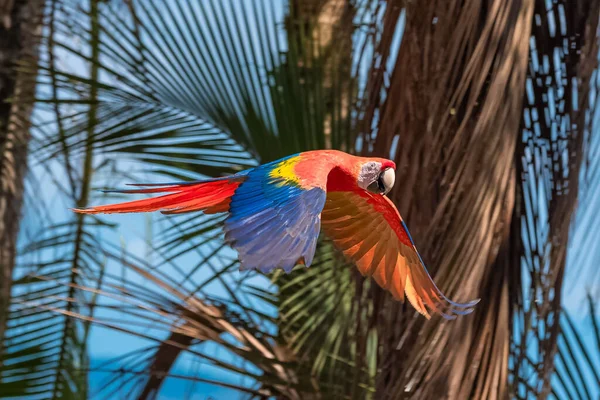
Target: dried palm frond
[(466, 161), (152, 306)]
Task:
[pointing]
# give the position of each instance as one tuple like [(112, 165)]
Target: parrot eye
[(384, 183)]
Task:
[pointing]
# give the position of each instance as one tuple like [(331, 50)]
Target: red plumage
[(211, 196)]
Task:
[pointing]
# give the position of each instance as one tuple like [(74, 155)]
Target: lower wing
[(369, 230)]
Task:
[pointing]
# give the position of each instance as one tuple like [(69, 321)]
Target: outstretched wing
[(369, 230), (274, 222), (274, 216)]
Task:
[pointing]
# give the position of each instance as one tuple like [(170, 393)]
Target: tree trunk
[(456, 102), (20, 21), (321, 32)]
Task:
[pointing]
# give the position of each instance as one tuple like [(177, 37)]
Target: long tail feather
[(211, 196)]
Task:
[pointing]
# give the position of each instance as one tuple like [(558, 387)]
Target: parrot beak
[(387, 178), (384, 183)]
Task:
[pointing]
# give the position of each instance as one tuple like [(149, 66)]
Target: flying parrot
[(276, 212)]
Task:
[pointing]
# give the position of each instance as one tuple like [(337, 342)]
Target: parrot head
[(377, 176), (349, 172)]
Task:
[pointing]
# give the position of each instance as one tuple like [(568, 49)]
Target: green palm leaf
[(196, 89), (471, 104)]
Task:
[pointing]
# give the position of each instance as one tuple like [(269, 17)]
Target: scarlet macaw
[(276, 211)]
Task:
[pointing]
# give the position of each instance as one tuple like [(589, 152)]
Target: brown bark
[(19, 24), (456, 102), (322, 33)]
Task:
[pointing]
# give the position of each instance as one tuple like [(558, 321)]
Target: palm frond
[(556, 127), (184, 89), (321, 309), (317, 315), (150, 304), (38, 352), (459, 129), (577, 373)]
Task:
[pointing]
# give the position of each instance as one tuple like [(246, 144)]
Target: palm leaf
[(461, 129), (41, 359), (193, 89), (150, 304), (577, 373)]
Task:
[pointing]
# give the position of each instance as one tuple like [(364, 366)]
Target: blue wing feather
[(273, 224)]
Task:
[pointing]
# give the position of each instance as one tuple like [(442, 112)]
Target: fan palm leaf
[(196, 89)]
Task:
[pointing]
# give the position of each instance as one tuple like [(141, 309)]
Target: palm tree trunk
[(19, 26), (322, 33), (456, 100)]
